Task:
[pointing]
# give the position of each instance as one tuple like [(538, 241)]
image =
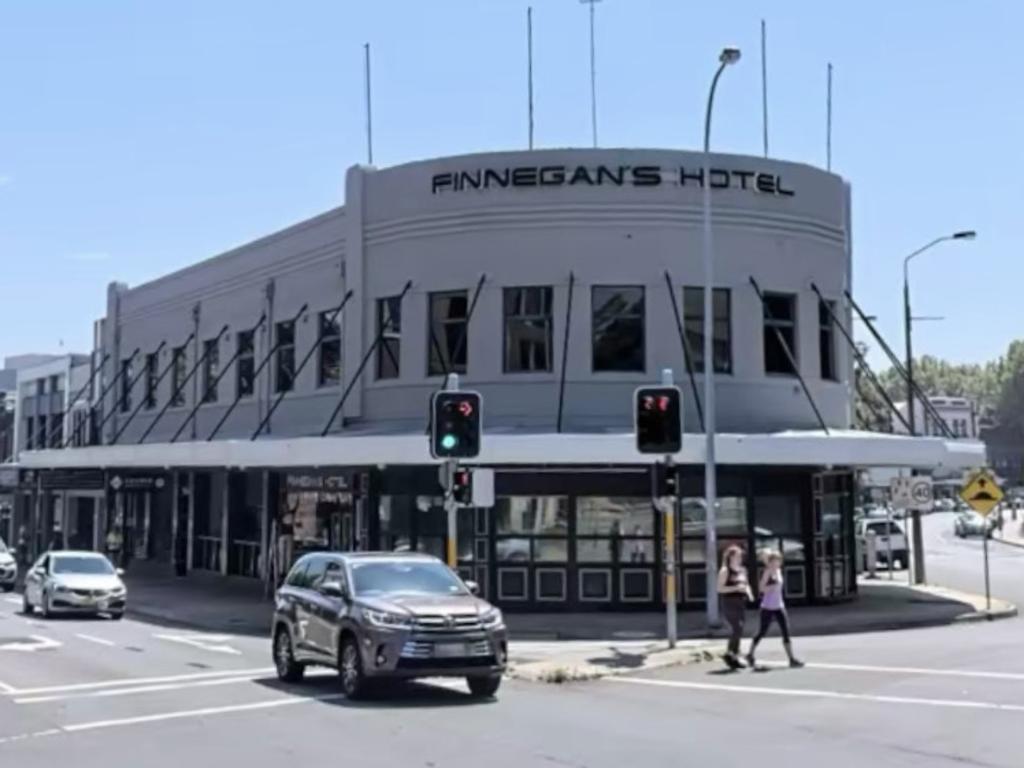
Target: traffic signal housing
[(455, 425), (658, 421), (666, 480), (462, 486)]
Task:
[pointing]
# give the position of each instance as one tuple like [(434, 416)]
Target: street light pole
[(968, 234), (727, 57)]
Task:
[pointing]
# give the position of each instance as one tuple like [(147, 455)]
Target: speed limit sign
[(911, 492)]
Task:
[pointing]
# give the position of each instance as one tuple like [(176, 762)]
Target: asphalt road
[(103, 693)]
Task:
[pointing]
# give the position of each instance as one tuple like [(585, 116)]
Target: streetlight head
[(729, 55), (967, 234)]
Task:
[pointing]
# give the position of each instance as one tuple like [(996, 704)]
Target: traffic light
[(666, 480), (455, 425), (658, 419), (462, 486)]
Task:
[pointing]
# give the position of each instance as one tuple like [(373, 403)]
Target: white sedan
[(74, 582)]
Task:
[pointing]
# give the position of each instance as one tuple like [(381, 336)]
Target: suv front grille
[(424, 649), (439, 623)]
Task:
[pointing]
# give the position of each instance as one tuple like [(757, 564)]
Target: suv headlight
[(492, 618), (388, 620)]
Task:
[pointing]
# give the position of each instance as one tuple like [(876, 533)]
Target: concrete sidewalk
[(563, 646)]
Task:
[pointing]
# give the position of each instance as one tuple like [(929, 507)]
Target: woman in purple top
[(773, 607)]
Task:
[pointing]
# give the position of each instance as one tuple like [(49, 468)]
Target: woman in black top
[(734, 587)]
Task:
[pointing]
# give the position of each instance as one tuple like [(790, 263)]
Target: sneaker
[(732, 661), (795, 663), (750, 661)]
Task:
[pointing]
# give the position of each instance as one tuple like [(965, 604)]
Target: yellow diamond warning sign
[(982, 493)]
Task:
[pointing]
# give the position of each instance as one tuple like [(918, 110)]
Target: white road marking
[(37, 734), (205, 712), (128, 681), (94, 639), (821, 694), (214, 643), (138, 689), (5, 688), (906, 670), (41, 644)]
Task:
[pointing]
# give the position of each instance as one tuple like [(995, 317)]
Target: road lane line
[(905, 670), (128, 681), (808, 693), (7, 689), (205, 712), (137, 689), (94, 639)]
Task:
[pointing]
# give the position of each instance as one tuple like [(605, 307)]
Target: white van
[(885, 537)]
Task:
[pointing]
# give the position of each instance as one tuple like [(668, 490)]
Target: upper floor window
[(245, 367), (826, 340), (211, 368), (284, 373), (449, 322), (721, 327), (779, 333), (389, 329), (40, 386), (329, 374), (617, 327), (29, 433), (152, 363), (126, 385), (178, 374), (528, 329), (55, 383)]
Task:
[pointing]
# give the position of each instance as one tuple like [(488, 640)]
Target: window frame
[(280, 352), (210, 373), (124, 400), (698, 317), (390, 337), (517, 294), (768, 324), (445, 322), (249, 356), (152, 364), (643, 327), (827, 330), (327, 339), (179, 355)]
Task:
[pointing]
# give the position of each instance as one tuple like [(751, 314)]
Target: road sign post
[(983, 494), (914, 493)]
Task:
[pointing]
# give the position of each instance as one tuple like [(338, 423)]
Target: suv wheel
[(350, 667), (288, 669), (484, 686)]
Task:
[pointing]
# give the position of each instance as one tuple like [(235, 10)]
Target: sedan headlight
[(60, 588), (492, 618), (118, 590), (388, 620)]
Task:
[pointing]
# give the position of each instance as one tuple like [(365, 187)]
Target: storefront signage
[(137, 482), (68, 479), (317, 482), (759, 182)]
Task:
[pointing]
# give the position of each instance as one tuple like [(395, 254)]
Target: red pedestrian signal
[(658, 420)]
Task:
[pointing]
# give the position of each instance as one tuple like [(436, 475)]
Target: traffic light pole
[(669, 505), (451, 513)]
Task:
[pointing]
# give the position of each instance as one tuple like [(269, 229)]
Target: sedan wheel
[(26, 606), (350, 666), (288, 669)]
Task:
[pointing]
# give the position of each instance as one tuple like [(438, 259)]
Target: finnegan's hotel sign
[(605, 175)]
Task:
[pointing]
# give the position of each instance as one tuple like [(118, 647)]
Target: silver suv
[(386, 615)]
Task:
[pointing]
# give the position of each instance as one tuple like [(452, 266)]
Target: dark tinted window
[(211, 367), (178, 377), (329, 374), (297, 576), (246, 363), (618, 328), (126, 385), (449, 322), (693, 325), (152, 364), (528, 329), (389, 326), (284, 379), (826, 340), (779, 333)]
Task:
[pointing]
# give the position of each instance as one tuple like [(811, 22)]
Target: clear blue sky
[(138, 137)]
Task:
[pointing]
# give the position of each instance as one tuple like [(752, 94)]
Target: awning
[(847, 448)]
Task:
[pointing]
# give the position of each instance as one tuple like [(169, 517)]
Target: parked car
[(8, 568), (74, 582), (885, 538), (944, 505), (972, 524), (377, 615)]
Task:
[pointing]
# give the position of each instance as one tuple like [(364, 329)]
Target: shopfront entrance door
[(832, 534)]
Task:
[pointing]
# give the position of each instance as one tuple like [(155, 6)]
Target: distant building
[(959, 414)]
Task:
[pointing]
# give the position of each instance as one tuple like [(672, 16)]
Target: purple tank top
[(771, 598)]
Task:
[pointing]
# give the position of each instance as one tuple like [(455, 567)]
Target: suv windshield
[(380, 578), (88, 565)]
